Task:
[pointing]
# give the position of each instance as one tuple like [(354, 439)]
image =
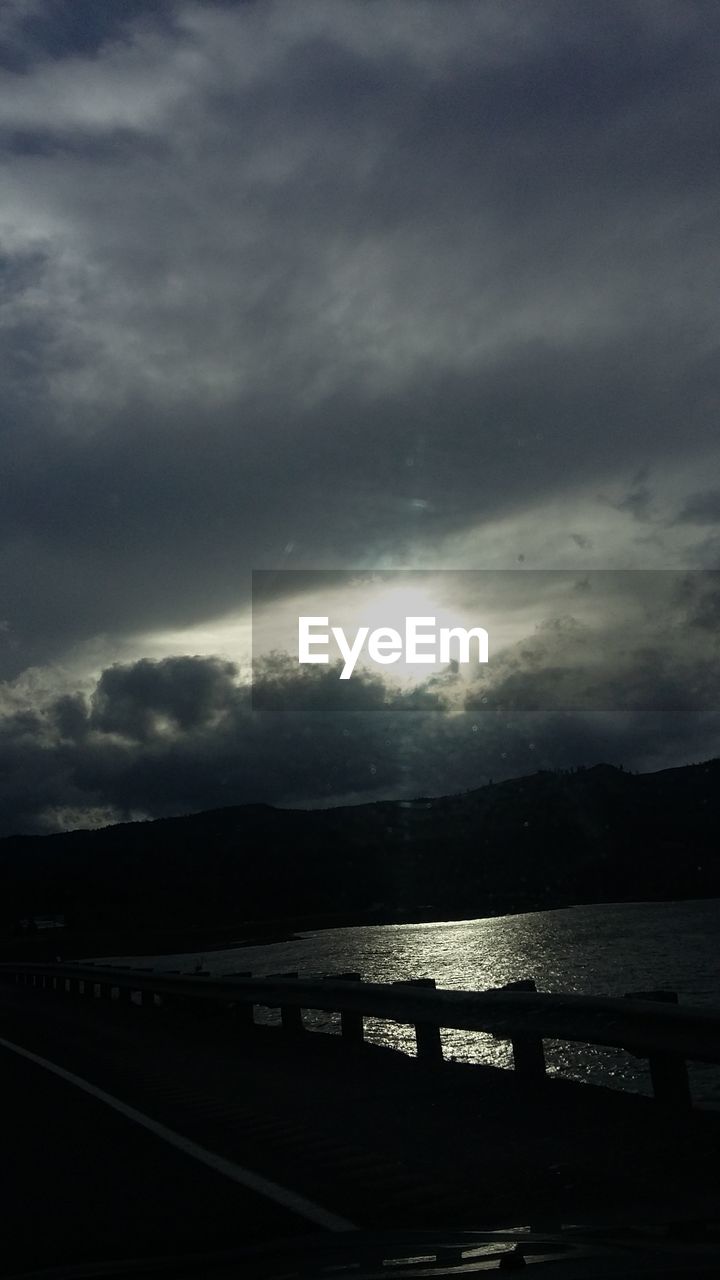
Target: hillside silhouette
[(547, 840)]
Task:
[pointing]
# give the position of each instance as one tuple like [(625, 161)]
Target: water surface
[(607, 949)]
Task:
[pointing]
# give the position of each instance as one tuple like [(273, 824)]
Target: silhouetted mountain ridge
[(549, 839)]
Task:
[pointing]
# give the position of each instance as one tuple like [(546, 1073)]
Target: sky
[(350, 285)]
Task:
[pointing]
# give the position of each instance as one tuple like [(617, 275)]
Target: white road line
[(228, 1168)]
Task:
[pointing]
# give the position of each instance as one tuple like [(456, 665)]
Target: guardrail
[(647, 1024)]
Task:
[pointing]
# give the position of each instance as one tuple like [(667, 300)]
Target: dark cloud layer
[(182, 734), (334, 285)]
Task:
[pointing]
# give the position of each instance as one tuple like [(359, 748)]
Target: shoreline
[(48, 944)]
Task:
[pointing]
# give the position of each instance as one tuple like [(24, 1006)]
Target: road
[(85, 1182), (369, 1137)]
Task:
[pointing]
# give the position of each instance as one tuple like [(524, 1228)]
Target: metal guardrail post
[(147, 998), (427, 1034), (668, 1071), (351, 1023), (671, 1086), (528, 1050), (290, 1014), (243, 1010)]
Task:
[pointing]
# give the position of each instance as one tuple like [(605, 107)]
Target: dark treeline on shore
[(551, 839)]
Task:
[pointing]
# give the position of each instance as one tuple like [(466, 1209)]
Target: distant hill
[(596, 834)]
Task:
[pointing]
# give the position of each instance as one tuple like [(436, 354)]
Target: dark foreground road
[(82, 1182), (369, 1136)]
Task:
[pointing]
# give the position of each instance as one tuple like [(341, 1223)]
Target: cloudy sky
[(347, 284)]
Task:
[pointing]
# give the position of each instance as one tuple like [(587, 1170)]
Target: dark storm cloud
[(432, 287), (320, 285), (126, 532), (34, 31), (184, 693), (181, 734), (702, 508)]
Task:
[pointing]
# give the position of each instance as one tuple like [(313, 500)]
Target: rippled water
[(596, 950)]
